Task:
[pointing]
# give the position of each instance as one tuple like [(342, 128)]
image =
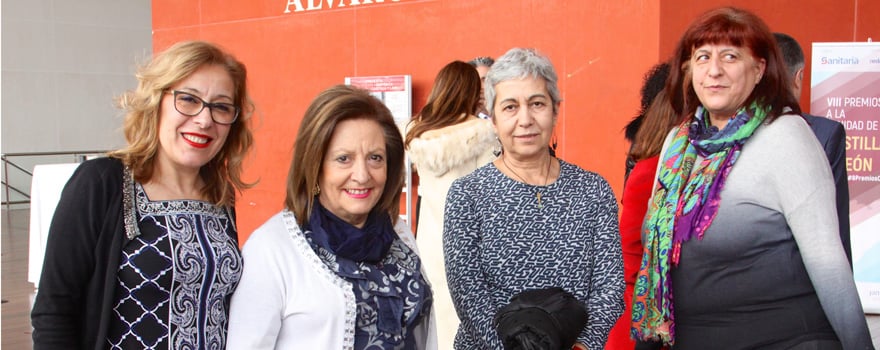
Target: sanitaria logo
[(839, 60)]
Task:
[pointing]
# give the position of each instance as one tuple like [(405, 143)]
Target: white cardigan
[(288, 299)]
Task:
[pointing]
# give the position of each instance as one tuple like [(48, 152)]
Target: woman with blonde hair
[(143, 250)]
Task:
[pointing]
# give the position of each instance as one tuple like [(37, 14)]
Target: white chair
[(46, 185)]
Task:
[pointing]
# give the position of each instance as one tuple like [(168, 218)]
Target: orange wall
[(601, 50), (597, 48)]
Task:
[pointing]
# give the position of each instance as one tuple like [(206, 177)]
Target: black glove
[(541, 319)]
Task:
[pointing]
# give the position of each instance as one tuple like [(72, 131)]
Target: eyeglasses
[(191, 105)]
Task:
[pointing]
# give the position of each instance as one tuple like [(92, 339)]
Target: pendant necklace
[(535, 187)]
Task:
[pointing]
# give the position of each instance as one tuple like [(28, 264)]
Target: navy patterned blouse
[(175, 278), (498, 241)]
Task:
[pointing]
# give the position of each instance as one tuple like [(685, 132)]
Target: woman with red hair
[(741, 249)]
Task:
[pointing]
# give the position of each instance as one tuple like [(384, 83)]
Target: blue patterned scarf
[(367, 244), (392, 295)]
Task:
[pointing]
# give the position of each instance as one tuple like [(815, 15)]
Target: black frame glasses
[(187, 101)]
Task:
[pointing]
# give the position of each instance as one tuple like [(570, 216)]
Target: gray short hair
[(519, 63), (485, 61), (791, 51)]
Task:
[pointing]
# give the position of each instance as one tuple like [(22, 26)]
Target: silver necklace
[(537, 188)]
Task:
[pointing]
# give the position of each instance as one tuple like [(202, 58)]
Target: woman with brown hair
[(143, 249), (650, 129), (337, 268), (446, 141)]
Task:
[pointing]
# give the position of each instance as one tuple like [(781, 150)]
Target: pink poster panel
[(393, 90), (846, 88)]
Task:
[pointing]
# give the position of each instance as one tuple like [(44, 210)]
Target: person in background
[(446, 141), (830, 134), (655, 79), (528, 220), (741, 237), (652, 125), (336, 268), (143, 251), (482, 64)]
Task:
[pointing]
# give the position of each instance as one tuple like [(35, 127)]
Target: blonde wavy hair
[(222, 174)]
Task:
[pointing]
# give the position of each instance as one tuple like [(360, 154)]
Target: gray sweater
[(770, 272)]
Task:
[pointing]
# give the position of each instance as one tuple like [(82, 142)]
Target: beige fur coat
[(440, 156)]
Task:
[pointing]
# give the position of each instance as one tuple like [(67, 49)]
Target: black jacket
[(74, 303), (78, 279)]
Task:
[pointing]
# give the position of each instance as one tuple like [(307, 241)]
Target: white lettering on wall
[(317, 5)]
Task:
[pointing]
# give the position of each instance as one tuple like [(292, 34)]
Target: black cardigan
[(74, 299), (74, 302)]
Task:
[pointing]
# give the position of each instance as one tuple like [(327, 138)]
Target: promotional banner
[(393, 90), (846, 88)]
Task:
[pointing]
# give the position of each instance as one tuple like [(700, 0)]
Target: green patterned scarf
[(683, 206)]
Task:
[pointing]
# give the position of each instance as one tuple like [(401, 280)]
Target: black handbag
[(541, 319)]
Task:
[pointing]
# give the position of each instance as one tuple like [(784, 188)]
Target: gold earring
[(317, 190)]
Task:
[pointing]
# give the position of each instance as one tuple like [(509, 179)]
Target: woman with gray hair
[(528, 220)]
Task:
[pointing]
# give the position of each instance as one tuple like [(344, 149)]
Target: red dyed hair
[(737, 27)]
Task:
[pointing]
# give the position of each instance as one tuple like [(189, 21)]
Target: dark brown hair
[(328, 109), (659, 119), (454, 96)]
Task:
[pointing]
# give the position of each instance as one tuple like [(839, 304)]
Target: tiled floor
[(17, 293)]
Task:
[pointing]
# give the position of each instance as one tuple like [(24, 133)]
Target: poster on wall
[(394, 90), (846, 88)]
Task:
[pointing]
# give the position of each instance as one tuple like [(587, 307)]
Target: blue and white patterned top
[(498, 242), (176, 277)]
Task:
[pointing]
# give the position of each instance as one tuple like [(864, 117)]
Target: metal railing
[(13, 161)]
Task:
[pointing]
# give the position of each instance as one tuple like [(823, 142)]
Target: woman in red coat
[(647, 132)]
